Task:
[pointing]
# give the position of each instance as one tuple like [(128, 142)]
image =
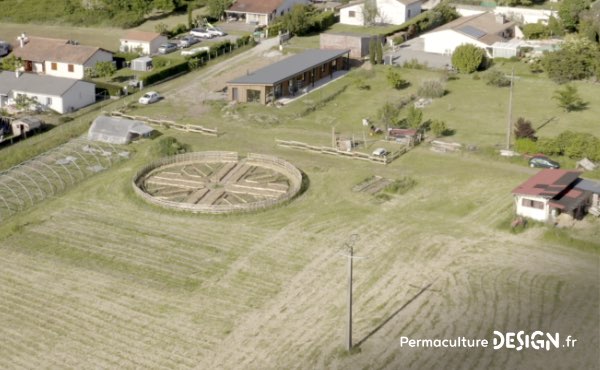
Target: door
[(234, 94)]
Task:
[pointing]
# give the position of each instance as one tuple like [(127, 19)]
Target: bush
[(438, 128), (414, 64), (178, 29), (401, 186), (159, 62), (103, 88), (525, 145), (168, 146), (497, 78), (535, 31), (395, 79), (432, 89), (468, 58)]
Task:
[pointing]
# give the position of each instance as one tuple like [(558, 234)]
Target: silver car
[(167, 48), (200, 32)]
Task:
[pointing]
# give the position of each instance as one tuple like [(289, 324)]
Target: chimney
[(18, 72), (500, 19), (21, 42)]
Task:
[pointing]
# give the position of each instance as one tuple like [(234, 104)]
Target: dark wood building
[(287, 77)]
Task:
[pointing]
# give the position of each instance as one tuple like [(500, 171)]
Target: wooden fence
[(293, 174), (169, 124), (341, 153)]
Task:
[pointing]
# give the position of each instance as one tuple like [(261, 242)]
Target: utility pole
[(510, 97), (350, 249)]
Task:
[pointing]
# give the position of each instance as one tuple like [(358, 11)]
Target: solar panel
[(472, 31)]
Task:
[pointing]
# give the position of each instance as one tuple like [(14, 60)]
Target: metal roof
[(289, 67), (116, 130), (36, 84), (547, 183), (589, 185)]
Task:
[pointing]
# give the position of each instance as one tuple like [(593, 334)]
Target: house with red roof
[(59, 57), (261, 12), (552, 192)]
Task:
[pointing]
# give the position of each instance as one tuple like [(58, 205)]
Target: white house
[(522, 15), (481, 30), (552, 192), (261, 12), (60, 58), (387, 11), (146, 43), (60, 94)]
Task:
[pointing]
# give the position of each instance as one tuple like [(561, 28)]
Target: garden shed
[(141, 64), (116, 130), (24, 125)]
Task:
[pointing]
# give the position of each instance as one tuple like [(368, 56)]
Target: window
[(252, 96), (48, 101), (71, 68), (532, 203), (351, 14), (408, 14), (53, 66)]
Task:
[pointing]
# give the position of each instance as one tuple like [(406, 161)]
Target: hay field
[(96, 278), (99, 278)]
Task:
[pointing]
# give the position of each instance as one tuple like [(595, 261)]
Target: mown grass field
[(98, 278)]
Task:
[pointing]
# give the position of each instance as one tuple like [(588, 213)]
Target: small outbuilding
[(552, 192), (141, 64), (22, 126), (117, 130)]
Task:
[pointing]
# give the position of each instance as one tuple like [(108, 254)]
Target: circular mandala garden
[(218, 182)]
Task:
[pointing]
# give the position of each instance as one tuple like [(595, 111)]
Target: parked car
[(194, 51), (149, 97), (5, 48), (380, 152), (167, 48), (201, 32), (543, 162), (216, 31), (187, 41)]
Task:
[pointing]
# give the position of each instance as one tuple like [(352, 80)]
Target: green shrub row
[(167, 72), (574, 145)]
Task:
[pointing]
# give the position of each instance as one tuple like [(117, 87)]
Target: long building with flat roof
[(287, 77)]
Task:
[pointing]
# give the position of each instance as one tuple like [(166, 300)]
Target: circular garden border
[(276, 164)]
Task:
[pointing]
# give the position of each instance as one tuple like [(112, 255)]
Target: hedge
[(162, 74), (113, 90)]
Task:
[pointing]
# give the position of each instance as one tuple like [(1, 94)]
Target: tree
[(298, 20), (524, 130), (568, 98), (11, 63), (468, 58), (414, 117), (216, 8), (578, 59), (395, 79), (569, 10), (372, 51), (190, 20), (388, 115), (379, 51), (104, 69), (370, 12)]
